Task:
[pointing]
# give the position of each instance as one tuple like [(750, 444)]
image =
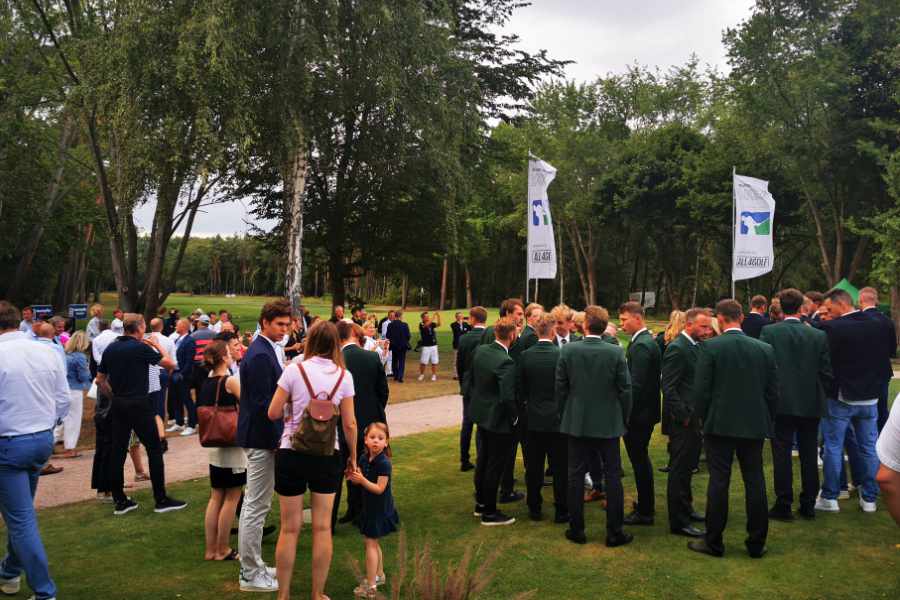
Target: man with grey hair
[(868, 304)]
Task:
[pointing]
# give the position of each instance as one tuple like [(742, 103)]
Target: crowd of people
[(810, 373), (299, 404)]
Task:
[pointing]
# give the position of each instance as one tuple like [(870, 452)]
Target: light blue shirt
[(34, 393)]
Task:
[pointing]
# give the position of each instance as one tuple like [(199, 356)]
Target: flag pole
[(733, 230), (527, 209)]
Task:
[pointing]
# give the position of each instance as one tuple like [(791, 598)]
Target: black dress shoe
[(466, 466), (781, 514), (637, 518), (807, 512), (577, 538), (619, 540), (759, 553), (702, 547), (664, 469), (689, 531), (548, 472), (535, 515), (512, 496), (347, 518), (561, 518), (697, 517)]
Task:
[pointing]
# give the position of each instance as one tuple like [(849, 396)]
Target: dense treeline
[(390, 141)]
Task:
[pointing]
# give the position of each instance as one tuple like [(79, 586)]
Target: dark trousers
[(102, 453), (581, 451), (807, 432), (398, 364), (135, 414), (507, 482), (354, 492), (159, 396), (637, 445), (684, 451), (173, 403), (551, 445), (184, 401), (492, 458), (883, 411), (720, 452), (465, 432)]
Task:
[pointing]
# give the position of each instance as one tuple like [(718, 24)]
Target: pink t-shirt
[(322, 374)]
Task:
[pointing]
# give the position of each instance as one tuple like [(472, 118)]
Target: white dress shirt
[(100, 343), (34, 393)]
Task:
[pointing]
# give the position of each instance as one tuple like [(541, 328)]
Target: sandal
[(363, 590), (233, 555), (141, 477), (70, 454)]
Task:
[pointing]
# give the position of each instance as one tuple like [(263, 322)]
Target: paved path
[(187, 460)]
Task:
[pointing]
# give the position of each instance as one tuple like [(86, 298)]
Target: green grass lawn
[(148, 556)]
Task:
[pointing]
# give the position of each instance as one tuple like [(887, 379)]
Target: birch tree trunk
[(294, 177), (468, 288), (443, 285)]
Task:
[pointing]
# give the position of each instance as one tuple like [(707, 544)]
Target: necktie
[(563, 341)]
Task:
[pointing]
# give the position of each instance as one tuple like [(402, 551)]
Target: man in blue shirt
[(34, 396)]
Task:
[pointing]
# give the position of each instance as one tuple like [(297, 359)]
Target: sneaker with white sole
[(11, 585), (498, 518), (434, 377), (125, 507), (867, 506), (420, 378), (826, 505), (174, 428), (261, 583), (188, 431), (35, 598), (168, 505)]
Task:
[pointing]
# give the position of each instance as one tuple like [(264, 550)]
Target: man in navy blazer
[(854, 341), (756, 319), (398, 335), (260, 370), (868, 304)]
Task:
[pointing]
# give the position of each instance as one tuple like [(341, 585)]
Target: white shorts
[(429, 355)]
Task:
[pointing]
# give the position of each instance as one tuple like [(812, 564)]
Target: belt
[(25, 435)]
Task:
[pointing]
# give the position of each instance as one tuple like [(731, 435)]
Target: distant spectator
[(337, 313), (756, 319), (60, 335), (93, 326), (47, 335), (214, 324), (27, 322), (428, 340), (79, 378)]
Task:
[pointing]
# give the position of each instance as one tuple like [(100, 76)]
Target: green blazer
[(536, 386), (678, 365), (804, 367), (644, 366), (493, 389), (468, 343), (525, 341), (736, 386), (593, 389), (370, 385), (487, 336)]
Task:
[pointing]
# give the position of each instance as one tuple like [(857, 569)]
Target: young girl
[(379, 517)]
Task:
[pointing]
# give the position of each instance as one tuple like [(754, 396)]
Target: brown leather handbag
[(217, 424)]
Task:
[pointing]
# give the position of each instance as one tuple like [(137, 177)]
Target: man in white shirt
[(27, 320), (34, 396)]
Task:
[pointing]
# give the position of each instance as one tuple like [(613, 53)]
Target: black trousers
[(135, 414), (398, 364), (354, 492), (102, 453), (551, 445), (465, 432), (581, 451), (807, 431), (720, 452), (181, 389), (685, 444), (492, 458), (520, 432), (637, 445)]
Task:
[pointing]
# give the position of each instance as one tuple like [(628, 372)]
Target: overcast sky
[(601, 36)]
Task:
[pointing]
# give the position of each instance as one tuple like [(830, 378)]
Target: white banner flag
[(541, 243), (754, 216)]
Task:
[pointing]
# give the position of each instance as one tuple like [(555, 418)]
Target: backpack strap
[(337, 385), (309, 389)]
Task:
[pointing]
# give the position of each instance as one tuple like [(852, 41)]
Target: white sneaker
[(188, 431), (271, 572), (819, 462), (844, 495), (434, 377), (588, 482), (35, 598), (261, 583), (795, 453), (173, 428), (826, 505), (421, 378), (10, 586), (866, 506)]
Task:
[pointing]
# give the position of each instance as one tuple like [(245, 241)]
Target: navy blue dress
[(379, 516)]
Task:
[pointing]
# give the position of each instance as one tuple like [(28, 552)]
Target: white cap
[(117, 326)]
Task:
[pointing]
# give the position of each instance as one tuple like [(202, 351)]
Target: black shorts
[(221, 478), (294, 472)]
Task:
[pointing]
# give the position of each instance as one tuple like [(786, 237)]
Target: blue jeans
[(863, 421), (21, 460)]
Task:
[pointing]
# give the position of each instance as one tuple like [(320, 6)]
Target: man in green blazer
[(468, 343), (493, 408), (685, 440), (511, 308), (563, 333), (736, 393), (644, 365), (804, 371), (535, 391), (593, 389)]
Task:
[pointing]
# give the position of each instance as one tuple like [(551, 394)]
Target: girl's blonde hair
[(79, 342), (675, 326), (387, 435)]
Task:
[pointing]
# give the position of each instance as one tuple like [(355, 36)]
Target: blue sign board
[(42, 311), (78, 311)]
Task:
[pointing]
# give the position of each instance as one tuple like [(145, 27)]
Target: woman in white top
[(325, 375), (370, 343)]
